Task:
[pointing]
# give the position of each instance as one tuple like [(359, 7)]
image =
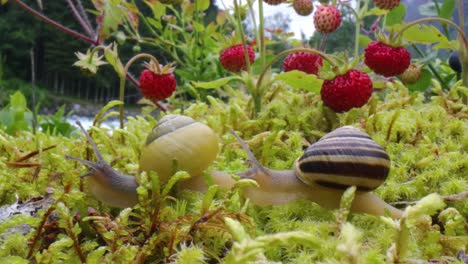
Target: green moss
[(426, 140)]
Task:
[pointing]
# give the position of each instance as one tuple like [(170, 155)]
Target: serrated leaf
[(427, 34), (301, 80), (396, 15), (203, 4), (216, 83), (447, 8)]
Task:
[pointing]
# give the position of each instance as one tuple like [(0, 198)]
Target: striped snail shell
[(343, 158)]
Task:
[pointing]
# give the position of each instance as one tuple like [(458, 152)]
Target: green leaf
[(364, 40), (216, 83), (301, 80), (2, 2), (203, 4), (423, 83), (396, 15), (18, 101), (376, 12), (112, 56), (428, 34), (447, 8)]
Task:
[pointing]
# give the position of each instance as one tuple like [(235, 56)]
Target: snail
[(176, 142), (342, 158)]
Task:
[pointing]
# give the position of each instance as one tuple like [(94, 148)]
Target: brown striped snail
[(344, 157), (176, 141)]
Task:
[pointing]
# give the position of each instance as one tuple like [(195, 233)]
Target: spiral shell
[(179, 141), (343, 158)]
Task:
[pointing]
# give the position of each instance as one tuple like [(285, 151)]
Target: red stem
[(80, 19), (54, 23)]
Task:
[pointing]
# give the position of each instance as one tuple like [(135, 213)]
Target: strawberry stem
[(241, 33), (123, 78)]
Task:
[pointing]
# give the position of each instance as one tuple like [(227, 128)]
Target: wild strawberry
[(386, 4), (386, 60), (233, 58), (303, 61), (156, 82), (274, 2), (411, 75), (352, 89), (303, 7), (327, 19)]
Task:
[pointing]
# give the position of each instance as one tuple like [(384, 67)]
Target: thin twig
[(54, 23), (80, 19), (84, 15)]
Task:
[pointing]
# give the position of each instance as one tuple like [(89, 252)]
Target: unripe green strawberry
[(274, 2), (327, 19), (233, 58), (303, 7), (386, 4), (386, 60), (347, 91), (411, 75), (157, 83)]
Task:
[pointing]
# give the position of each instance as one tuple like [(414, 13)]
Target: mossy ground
[(426, 138)]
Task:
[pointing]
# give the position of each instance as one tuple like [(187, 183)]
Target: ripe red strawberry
[(352, 89), (274, 2), (233, 58), (327, 19), (157, 83), (411, 75), (386, 60), (303, 7), (303, 61), (386, 4)]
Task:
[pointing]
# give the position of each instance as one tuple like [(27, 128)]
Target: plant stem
[(461, 14), (123, 78), (33, 84), (261, 29), (241, 33), (357, 29), (55, 24), (80, 19)]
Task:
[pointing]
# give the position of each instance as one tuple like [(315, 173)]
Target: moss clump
[(426, 140)]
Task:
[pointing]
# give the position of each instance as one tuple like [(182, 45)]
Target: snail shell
[(179, 143), (343, 158)]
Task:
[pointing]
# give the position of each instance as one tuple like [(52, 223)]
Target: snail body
[(176, 143), (344, 157)]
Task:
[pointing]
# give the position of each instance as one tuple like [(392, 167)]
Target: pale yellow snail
[(175, 142), (342, 158)]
